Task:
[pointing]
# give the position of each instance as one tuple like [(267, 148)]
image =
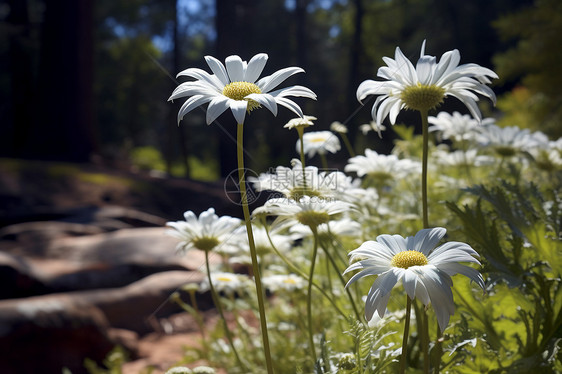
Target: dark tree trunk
[(13, 143), (175, 135), (355, 63), (62, 126)]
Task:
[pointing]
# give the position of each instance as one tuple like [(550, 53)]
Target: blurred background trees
[(84, 80)]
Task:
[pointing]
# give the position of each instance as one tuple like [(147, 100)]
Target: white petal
[(453, 268), (266, 100), (255, 67), (216, 107), (291, 105), (426, 239), (424, 69), (192, 103), (203, 76), (395, 243), (218, 69), (268, 83), (235, 68), (440, 294), (238, 108), (299, 91), (452, 245), (409, 281)]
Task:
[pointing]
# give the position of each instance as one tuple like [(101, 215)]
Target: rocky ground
[(85, 265)]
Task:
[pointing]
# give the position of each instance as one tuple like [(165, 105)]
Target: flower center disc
[(205, 243), (405, 259), (422, 97), (312, 218), (239, 90)]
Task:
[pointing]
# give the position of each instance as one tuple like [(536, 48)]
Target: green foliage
[(516, 229), (112, 364)]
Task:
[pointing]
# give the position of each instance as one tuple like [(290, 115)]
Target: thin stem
[(255, 266), (425, 136), (295, 269), (218, 305), (309, 294), (324, 160), (438, 350), (340, 276), (404, 355), (347, 144), (300, 131)]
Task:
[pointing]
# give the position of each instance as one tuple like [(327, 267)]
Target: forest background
[(88, 80)]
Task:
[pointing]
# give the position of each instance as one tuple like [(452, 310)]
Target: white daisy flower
[(294, 182), (424, 86), (337, 126), (229, 283), (320, 142), (383, 167), (461, 158), (303, 122), (425, 271), (282, 242), (338, 228), (207, 232), (310, 211), (509, 141), (237, 87), (372, 126), (286, 282), (456, 126)]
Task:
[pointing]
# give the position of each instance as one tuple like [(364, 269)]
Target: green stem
[(309, 294), (218, 305), (295, 269), (347, 144), (342, 280), (425, 135), (438, 350), (404, 355), (324, 160), (255, 266), (300, 131)]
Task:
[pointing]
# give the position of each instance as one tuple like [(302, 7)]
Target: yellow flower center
[(224, 279), (405, 259), (317, 140), (422, 97), (289, 281), (205, 243), (312, 218), (239, 90)]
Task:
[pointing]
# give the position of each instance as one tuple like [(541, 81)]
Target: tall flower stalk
[(235, 85)]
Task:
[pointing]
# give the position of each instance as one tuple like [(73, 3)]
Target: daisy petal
[(255, 67), (216, 107), (268, 83), (235, 68), (238, 108), (218, 69)]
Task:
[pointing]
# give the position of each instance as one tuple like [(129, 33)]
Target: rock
[(17, 278), (46, 333), (105, 260), (39, 335)]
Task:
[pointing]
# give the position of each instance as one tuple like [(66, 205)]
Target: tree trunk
[(21, 80), (62, 126), (354, 63)]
